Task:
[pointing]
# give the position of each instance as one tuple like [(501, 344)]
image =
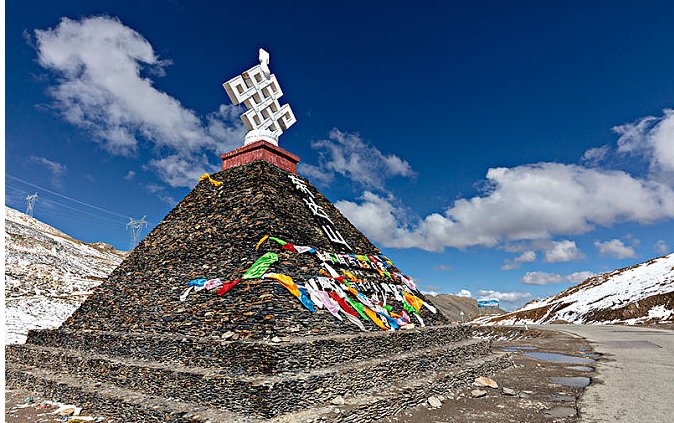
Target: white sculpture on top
[(258, 89)]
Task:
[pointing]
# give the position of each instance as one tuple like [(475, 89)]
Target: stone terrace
[(133, 351)]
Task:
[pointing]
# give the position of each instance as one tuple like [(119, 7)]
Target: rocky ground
[(524, 393)]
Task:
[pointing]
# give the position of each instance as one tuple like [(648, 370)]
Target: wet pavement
[(634, 377)]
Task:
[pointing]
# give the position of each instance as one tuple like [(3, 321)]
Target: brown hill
[(452, 305)]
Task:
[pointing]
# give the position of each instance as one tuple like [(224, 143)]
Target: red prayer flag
[(227, 286), (288, 246), (343, 304)]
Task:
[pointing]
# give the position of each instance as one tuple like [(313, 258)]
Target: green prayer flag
[(358, 307), (260, 267), (408, 307), (280, 241)]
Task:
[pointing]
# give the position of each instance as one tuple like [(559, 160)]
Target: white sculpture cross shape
[(258, 89)]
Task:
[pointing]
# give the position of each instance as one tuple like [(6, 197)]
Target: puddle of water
[(558, 412), (518, 348), (581, 368), (559, 358), (574, 382), (563, 398)]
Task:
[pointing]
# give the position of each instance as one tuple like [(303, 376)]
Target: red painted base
[(261, 150)]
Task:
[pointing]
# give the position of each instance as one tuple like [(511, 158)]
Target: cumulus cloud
[(528, 256), (562, 251), (130, 175), (541, 278), (433, 291), (577, 277), (661, 247), (544, 278), (104, 86), (651, 137), (615, 248), (464, 293), (527, 202), (506, 297), (350, 156)]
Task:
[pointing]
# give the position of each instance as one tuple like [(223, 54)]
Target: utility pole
[(136, 226), (30, 204)]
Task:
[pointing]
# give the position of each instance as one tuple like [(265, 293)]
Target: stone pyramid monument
[(253, 299)]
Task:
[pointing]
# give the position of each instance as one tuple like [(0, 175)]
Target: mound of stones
[(138, 351)]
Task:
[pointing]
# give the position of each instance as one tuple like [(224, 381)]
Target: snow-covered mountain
[(48, 274), (643, 293)]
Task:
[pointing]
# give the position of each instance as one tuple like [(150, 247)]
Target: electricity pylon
[(30, 204), (136, 226)]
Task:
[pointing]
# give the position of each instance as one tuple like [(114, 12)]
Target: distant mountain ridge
[(48, 274), (643, 293), (452, 306)]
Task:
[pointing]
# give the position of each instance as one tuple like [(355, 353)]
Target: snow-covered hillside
[(639, 294), (48, 274)]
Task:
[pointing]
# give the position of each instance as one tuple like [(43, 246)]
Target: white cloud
[(510, 265), (541, 278), (594, 156), (443, 267), (464, 293), (577, 277), (526, 202), (178, 170), (56, 170), (350, 156), (506, 297), (130, 175), (562, 251), (615, 248), (526, 257), (651, 137), (661, 247), (433, 291), (544, 278), (103, 87)]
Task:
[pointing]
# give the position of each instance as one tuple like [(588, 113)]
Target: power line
[(49, 200), (66, 197), (83, 211)]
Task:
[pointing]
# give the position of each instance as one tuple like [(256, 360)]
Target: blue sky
[(485, 146)]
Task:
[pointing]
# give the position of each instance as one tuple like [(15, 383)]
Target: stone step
[(115, 403), (128, 405), (243, 356), (268, 395), (383, 403)]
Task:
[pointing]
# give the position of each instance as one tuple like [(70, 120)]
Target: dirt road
[(635, 378)]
